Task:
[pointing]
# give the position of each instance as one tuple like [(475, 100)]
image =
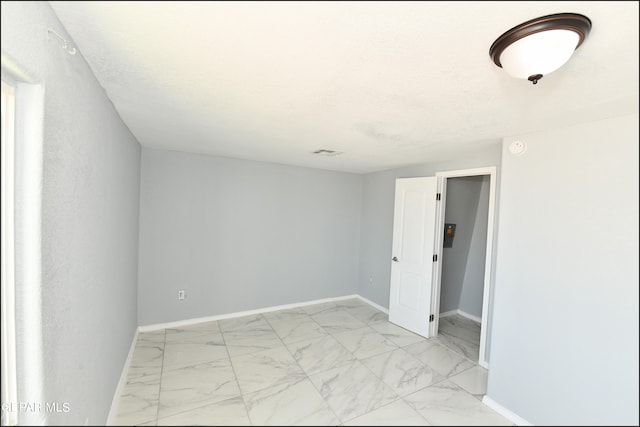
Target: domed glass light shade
[(540, 46)]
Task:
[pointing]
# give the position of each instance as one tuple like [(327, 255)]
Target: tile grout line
[(320, 392), (206, 363), (356, 359), (164, 347), (235, 375), (305, 372)]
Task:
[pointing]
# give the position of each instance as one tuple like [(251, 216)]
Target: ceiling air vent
[(328, 153)]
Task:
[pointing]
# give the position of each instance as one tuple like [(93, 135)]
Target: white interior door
[(413, 251)]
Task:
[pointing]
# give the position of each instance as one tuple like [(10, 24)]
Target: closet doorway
[(464, 245)]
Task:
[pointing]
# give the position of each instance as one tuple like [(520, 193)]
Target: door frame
[(488, 267), (8, 326)]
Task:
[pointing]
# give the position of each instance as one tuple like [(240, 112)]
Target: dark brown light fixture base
[(577, 23), (534, 79)]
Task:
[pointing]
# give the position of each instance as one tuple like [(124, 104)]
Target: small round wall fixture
[(517, 148), (540, 46)]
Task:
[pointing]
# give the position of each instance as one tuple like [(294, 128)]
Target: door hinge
[(438, 196), (435, 257), (431, 318)]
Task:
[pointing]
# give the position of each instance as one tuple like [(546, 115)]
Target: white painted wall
[(89, 219), (242, 235), (473, 283), (564, 347)]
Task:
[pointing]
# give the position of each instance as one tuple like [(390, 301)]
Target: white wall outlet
[(371, 280), (181, 295)]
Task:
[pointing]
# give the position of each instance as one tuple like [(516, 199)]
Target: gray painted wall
[(241, 235), (91, 167), (462, 198), (564, 348), (377, 218), (473, 284)]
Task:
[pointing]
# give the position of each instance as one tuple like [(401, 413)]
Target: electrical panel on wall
[(449, 234)]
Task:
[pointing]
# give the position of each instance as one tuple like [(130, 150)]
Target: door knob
[(394, 259)]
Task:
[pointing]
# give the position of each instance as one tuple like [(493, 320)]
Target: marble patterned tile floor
[(335, 363), (460, 334)]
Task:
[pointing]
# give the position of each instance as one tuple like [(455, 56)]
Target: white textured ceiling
[(387, 83)]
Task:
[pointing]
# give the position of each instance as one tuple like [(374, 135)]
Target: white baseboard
[(373, 304), (470, 316), (193, 321), (460, 313), (448, 313), (517, 420), (123, 381)]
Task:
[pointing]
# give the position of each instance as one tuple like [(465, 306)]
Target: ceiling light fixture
[(540, 46)]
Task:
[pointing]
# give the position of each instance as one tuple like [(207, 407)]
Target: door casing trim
[(488, 270)]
